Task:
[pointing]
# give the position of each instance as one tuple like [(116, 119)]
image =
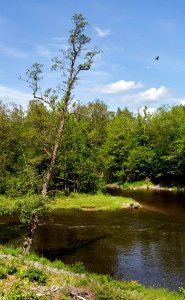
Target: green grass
[(146, 184), (78, 201), (98, 201), (20, 277)]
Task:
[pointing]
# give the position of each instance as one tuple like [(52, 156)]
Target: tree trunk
[(31, 233), (54, 154), (77, 41), (35, 219)]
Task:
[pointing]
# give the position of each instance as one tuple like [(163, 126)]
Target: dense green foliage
[(97, 147)]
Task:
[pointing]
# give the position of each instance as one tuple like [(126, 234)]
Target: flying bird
[(157, 58)]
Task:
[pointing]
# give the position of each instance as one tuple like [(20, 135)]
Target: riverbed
[(147, 245)]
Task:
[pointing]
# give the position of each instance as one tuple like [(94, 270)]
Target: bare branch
[(49, 154)]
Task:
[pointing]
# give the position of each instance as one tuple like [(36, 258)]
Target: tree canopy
[(97, 147)]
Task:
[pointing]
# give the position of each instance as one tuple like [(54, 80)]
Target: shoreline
[(75, 201), (145, 186), (97, 202), (35, 277)]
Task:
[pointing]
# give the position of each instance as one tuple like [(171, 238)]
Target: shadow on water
[(147, 245), (12, 232), (79, 245)]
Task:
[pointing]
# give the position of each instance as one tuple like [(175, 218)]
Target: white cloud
[(102, 32), (12, 52), (182, 102), (150, 95), (150, 110), (118, 87), (8, 94)]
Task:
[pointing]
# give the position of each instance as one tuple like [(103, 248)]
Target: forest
[(98, 147)]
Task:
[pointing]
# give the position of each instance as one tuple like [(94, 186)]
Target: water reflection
[(145, 245), (168, 202)]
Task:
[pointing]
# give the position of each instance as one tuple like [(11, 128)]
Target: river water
[(147, 245)]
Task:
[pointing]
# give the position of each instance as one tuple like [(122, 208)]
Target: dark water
[(147, 245)]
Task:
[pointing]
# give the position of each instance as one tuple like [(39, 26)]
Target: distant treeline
[(98, 147)]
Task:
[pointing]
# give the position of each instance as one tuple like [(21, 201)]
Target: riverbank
[(76, 201), (142, 185), (89, 202), (33, 277)]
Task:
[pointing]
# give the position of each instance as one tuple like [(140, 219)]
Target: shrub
[(23, 182), (17, 293), (103, 294), (34, 274), (104, 279), (30, 206), (182, 291), (3, 272), (11, 266), (134, 286), (78, 267), (82, 282)]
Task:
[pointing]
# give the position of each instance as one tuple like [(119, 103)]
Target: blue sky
[(130, 33)]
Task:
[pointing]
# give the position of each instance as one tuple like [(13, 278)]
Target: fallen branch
[(76, 296)]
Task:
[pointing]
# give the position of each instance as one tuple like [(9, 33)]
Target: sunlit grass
[(146, 184), (99, 201), (79, 201), (8, 250)]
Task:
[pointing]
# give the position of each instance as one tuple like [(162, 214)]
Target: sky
[(129, 33)]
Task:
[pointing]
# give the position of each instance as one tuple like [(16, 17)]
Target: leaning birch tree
[(71, 63)]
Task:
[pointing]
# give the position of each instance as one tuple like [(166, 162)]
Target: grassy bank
[(98, 201), (33, 277), (143, 185), (92, 202)]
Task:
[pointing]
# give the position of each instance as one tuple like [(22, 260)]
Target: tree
[(83, 136), (168, 142), (11, 121), (74, 60), (117, 146)]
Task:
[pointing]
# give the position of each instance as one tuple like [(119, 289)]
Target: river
[(147, 245)]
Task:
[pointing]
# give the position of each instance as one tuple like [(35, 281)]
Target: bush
[(182, 291), (30, 206), (24, 182), (104, 279), (134, 286), (3, 272), (8, 267), (18, 293), (34, 274), (78, 267), (103, 294), (11, 269), (15, 295)]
